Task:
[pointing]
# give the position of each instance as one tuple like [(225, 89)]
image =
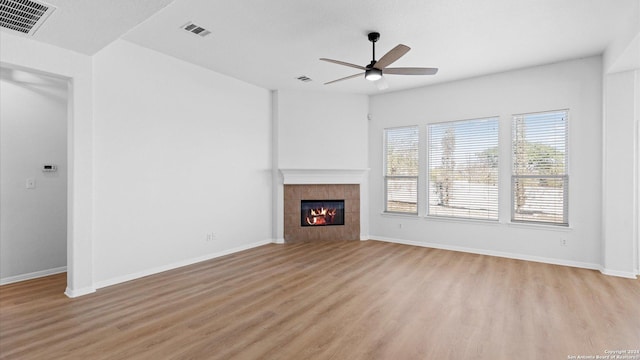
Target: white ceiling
[(88, 26), (270, 43)]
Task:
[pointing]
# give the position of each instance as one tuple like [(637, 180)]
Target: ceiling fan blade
[(344, 63), (390, 57), (410, 71), (344, 78)]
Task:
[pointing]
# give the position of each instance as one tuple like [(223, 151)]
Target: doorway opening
[(34, 113)]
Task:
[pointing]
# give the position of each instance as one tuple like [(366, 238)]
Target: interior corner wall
[(24, 53), (33, 132), (320, 131), (575, 85), (620, 172), (623, 52), (182, 163)]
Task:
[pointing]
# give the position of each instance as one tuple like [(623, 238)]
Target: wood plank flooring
[(330, 300)]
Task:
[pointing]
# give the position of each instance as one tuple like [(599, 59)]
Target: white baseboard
[(278, 241), (624, 274), (33, 275), (79, 292), (159, 269), (539, 259)]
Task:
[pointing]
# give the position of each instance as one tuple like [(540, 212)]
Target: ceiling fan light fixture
[(373, 74)]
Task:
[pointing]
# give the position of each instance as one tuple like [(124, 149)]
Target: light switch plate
[(31, 183)]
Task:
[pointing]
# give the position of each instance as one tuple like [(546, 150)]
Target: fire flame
[(321, 216)]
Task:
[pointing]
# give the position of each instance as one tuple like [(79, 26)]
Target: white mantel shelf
[(323, 176)]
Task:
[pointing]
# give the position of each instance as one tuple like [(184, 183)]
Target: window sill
[(400, 215), (462, 220), (529, 226), (524, 225)]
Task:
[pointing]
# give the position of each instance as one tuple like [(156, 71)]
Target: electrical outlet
[(211, 236), (563, 242)]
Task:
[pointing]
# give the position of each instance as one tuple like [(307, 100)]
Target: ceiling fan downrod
[(371, 73), (373, 37)]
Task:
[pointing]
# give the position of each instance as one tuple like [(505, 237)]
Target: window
[(539, 180), (401, 169), (463, 169)]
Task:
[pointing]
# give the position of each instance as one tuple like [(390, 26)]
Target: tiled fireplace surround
[(349, 185)]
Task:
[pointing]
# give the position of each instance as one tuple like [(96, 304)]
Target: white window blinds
[(463, 169), (539, 180), (401, 169)]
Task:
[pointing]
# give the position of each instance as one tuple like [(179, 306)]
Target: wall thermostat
[(49, 168)]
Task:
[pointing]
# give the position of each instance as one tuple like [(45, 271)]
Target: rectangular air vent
[(304, 78), (24, 16), (193, 28)]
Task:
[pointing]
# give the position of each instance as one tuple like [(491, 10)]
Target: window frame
[(564, 177), (496, 218), (386, 177)]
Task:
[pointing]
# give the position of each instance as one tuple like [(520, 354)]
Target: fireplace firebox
[(321, 212)]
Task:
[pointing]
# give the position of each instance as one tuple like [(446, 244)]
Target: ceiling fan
[(375, 69)]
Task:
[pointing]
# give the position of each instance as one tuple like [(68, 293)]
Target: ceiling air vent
[(193, 28), (24, 16), (304, 78)]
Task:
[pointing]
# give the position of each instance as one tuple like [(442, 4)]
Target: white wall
[(623, 53), (619, 182), (574, 85), (33, 131), (318, 131), (621, 192), (621, 162), (22, 52), (180, 152)]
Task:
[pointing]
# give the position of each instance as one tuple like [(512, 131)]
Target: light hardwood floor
[(330, 300)]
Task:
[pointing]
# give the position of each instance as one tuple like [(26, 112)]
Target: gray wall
[(33, 222)]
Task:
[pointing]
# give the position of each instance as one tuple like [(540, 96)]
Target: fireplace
[(300, 200), (321, 212), (349, 186)]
